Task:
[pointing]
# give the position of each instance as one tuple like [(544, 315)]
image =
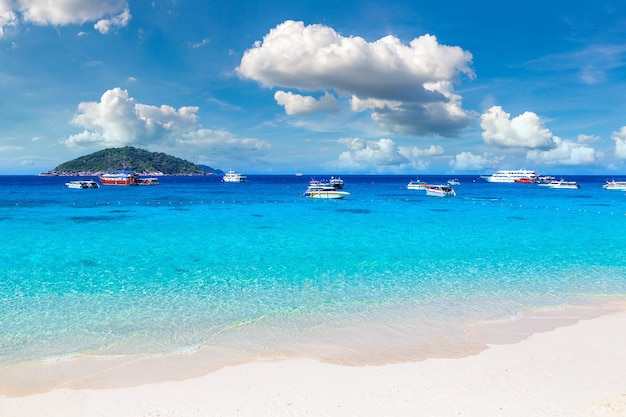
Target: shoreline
[(344, 346), (571, 371)]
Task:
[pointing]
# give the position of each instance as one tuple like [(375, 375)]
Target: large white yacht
[(234, 176), (512, 175)]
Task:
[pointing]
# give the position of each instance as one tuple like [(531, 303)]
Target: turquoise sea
[(255, 270)]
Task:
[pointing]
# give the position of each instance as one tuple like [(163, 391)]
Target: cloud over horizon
[(564, 153), (383, 155), (524, 131), (527, 131), (620, 143), (467, 161), (118, 120)]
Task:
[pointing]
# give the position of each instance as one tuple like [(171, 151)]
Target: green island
[(129, 158)]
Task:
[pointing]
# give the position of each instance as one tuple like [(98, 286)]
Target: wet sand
[(543, 364)]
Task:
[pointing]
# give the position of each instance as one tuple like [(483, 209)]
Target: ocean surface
[(258, 271)]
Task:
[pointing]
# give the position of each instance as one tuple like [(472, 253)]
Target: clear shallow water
[(196, 263)]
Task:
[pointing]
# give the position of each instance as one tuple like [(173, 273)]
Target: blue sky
[(317, 87)]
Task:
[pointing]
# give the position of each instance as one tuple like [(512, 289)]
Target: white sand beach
[(575, 370)]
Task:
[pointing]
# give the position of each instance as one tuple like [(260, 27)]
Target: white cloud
[(525, 130), (383, 155), (417, 78), (7, 16), (413, 152), (565, 153), (297, 104), (117, 120), (620, 143), (357, 104), (221, 146), (363, 153), (467, 161), (64, 12), (104, 25), (200, 44), (587, 138)]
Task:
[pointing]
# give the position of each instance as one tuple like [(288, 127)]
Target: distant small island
[(131, 159)]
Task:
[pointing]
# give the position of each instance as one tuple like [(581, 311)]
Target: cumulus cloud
[(467, 161), (620, 143), (118, 120), (408, 88), (297, 104), (363, 153), (108, 13), (525, 130), (564, 153), (528, 131), (383, 155)]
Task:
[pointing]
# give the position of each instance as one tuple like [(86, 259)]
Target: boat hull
[(566, 185), (328, 195)]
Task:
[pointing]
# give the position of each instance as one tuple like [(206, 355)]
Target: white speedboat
[(440, 190), (416, 185), (234, 176), (325, 192), (615, 185), (512, 176), (80, 184), (571, 185), (454, 181)]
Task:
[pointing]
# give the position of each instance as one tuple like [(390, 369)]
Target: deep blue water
[(196, 263)]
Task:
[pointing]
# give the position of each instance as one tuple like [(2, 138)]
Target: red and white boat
[(119, 178)]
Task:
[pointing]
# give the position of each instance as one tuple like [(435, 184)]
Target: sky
[(326, 87)]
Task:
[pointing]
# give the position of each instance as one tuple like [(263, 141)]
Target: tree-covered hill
[(130, 158)]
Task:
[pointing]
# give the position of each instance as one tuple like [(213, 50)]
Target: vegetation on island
[(131, 159)]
